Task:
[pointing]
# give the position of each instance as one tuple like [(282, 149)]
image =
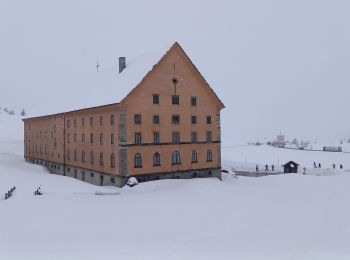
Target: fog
[(276, 65)]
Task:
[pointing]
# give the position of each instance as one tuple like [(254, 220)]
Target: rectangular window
[(112, 119), (101, 120), (112, 163), (176, 157), (82, 122), (156, 138), (75, 138), (194, 119), (83, 138), (156, 119), (91, 121), (209, 156), (68, 138), (194, 137), (101, 159), (137, 119), (208, 120), (91, 157), (91, 138), (138, 138), (175, 99), (112, 138), (138, 160), (101, 138), (193, 101), (194, 157), (68, 123), (209, 137), (75, 123), (176, 137), (176, 119), (155, 98)]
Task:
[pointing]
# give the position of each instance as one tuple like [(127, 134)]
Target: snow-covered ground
[(246, 157), (290, 216)]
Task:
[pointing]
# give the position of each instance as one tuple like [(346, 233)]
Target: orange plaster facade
[(167, 125)]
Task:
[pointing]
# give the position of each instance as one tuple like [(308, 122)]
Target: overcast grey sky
[(276, 65)]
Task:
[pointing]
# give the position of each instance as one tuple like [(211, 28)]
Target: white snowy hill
[(276, 217)]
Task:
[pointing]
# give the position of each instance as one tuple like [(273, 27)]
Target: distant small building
[(332, 149), (280, 142), (291, 167)]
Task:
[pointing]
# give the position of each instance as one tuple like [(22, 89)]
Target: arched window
[(138, 160), (156, 159), (101, 158), (92, 157), (194, 156), (83, 156), (112, 160), (209, 156), (176, 158)]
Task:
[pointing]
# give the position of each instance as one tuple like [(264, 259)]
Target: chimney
[(122, 63)]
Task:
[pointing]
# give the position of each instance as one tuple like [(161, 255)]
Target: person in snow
[(272, 167), (341, 166), (315, 165), (333, 166), (319, 165), (266, 168), (257, 168), (304, 170)]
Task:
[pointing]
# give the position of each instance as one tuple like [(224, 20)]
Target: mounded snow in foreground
[(290, 216)]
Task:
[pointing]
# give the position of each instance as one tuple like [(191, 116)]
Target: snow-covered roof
[(87, 88), (93, 89), (136, 69)]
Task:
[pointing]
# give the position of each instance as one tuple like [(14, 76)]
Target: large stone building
[(167, 126)]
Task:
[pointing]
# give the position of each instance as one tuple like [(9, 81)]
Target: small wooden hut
[(291, 167)]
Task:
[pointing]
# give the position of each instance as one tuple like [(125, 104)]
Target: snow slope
[(275, 217)]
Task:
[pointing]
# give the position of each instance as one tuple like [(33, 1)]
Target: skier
[(272, 167), (257, 168), (333, 166), (315, 165), (319, 165), (341, 166), (266, 168)]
